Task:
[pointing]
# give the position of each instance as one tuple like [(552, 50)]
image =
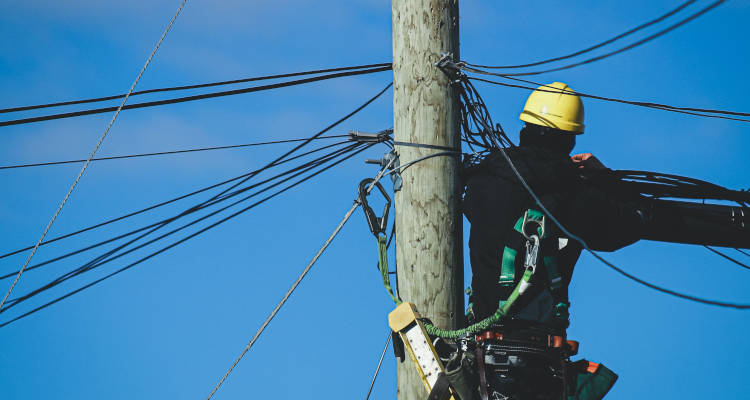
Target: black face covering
[(556, 140)]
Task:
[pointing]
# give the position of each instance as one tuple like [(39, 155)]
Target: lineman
[(524, 356)]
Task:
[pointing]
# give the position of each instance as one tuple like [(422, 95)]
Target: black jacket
[(494, 201)]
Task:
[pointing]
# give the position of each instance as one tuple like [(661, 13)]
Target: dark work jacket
[(495, 200)]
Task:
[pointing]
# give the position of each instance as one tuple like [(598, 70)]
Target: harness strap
[(510, 253), (383, 266)]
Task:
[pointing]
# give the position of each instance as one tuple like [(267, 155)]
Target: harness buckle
[(377, 224), (527, 220)]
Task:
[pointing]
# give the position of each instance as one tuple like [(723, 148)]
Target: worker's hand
[(587, 161)]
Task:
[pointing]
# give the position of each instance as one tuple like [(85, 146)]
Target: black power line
[(71, 293), (164, 203), (242, 178), (727, 257), (628, 47), (103, 258), (682, 110), (194, 97), (162, 153), (594, 47), (187, 87), (163, 222)]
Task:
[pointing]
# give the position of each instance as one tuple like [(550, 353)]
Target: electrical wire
[(235, 214), (242, 178), (161, 153), (657, 106), (158, 205), (193, 97), (552, 89), (377, 370), (102, 259), (93, 153), (221, 196), (727, 257), (155, 226), (659, 185), (295, 284), (628, 47), (594, 47), (187, 87)]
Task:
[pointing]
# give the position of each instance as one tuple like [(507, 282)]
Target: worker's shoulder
[(528, 160)]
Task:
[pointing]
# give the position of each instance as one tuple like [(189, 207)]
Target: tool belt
[(534, 339)]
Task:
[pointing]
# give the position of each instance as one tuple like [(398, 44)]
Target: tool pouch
[(460, 371), (589, 381)]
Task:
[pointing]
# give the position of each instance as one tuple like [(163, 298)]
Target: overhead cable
[(188, 87), (377, 370), (660, 185), (161, 204), (162, 153), (296, 282), (93, 153), (727, 257), (638, 103), (218, 198), (111, 256), (194, 97), (108, 256), (235, 214), (628, 47), (594, 47), (707, 113), (241, 178)]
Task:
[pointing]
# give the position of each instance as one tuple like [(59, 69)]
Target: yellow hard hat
[(556, 106)]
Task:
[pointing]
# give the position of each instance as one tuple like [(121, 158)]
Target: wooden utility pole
[(428, 219)]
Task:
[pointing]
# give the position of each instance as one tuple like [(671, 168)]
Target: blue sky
[(170, 327)]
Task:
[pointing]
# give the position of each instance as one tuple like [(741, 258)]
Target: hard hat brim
[(552, 122)]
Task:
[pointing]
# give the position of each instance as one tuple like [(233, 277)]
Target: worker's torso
[(495, 202)]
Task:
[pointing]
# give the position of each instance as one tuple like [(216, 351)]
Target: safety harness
[(537, 241)]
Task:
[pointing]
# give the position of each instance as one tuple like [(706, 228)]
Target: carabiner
[(377, 225), (532, 253)]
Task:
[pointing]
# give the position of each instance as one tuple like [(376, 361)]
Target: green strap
[(487, 322), (435, 331), (383, 266), (503, 309), (508, 267)]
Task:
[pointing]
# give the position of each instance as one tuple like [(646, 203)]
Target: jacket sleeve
[(604, 216)]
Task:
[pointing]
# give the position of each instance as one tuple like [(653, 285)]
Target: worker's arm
[(602, 215)]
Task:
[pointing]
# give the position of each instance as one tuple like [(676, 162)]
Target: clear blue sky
[(170, 327)]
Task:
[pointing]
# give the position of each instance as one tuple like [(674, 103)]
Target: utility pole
[(428, 219)]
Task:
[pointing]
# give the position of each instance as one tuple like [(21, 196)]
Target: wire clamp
[(377, 224), (365, 137)]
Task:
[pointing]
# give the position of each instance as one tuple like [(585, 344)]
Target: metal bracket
[(390, 159), (450, 67)]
